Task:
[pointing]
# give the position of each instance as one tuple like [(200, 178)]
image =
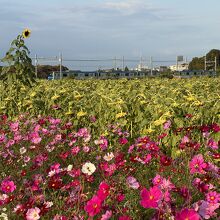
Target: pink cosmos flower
[(123, 141), (197, 164), (213, 144), (166, 196), (184, 191), (14, 126), (35, 138), (103, 143), (33, 214), (165, 161), (150, 199), (2, 138), (131, 148), (108, 169), (55, 167), (215, 127), (185, 140), (124, 217), (93, 119), (206, 210), (157, 180), (93, 206), (213, 197), (54, 121), (107, 215), (75, 150), (167, 124), (132, 182), (37, 128), (120, 197), (103, 191), (10, 143), (8, 186), (86, 149), (187, 214), (60, 217), (147, 158), (167, 184), (84, 133)]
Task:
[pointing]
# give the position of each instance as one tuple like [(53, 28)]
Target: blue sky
[(108, 28)]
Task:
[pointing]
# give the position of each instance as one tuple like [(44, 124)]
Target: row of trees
[(43, 71), (198, 63)]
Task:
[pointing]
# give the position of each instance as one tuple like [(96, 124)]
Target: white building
[(179, 67), (141, 67)]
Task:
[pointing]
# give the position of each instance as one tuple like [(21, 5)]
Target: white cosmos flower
[(109, 156), (48, 204), (4, 216), (70, 167), (88, 168), (22, 150), (51, 173)]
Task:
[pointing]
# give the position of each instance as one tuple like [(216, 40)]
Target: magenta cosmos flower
[(150, 199), (213, 197), (187, 214), (93, 206), (103, 191), (33, 214), (197, 164), (8, 186)]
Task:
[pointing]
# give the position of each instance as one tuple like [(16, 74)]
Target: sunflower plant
[(19, 70)]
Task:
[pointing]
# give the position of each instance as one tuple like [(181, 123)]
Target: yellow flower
[(55, 97), (26, 33), (147, 131), (69, 113), (159, 122), (120, 115), (81, 113), (105, 133)]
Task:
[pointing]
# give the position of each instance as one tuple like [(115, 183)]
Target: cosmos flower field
[(111, 149)]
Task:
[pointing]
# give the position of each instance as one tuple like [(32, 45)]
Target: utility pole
[(215, 64), (177, 63), (36, 62), (60, 60), (123, 63), (141, 62), (151, 65), (115, 63)]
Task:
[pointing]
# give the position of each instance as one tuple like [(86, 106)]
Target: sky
[(104, 29)]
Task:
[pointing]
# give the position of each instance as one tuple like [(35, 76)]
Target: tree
[(126, 69), (198, 63)]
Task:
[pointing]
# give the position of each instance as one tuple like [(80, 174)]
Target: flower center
[(95, 206), (151, 197), (212, 197), (196, 165), (8, 187)]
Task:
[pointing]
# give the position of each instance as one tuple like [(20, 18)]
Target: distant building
[(163, 69), (180, 67), (141, 67)]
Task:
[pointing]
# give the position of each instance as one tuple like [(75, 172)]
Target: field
[(111, 149)]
